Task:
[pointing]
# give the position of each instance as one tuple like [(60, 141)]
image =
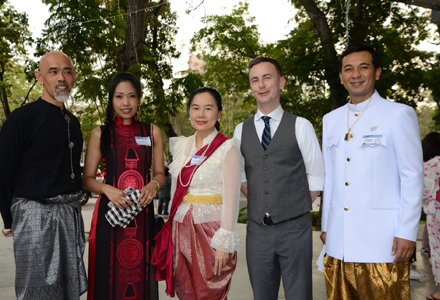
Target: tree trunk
[(28, 93), (158, 86), (4, 95), (337, 91), (134, 33), (360, 26)]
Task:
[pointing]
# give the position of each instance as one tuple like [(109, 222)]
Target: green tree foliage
[(106, 37), (227, 44), (432, 81), (14, 36), (427, 113), (393, 29), (309, 54)]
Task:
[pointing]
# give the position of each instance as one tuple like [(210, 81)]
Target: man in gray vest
[(284, 174)]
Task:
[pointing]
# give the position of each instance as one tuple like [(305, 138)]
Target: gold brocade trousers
[(366, 281)]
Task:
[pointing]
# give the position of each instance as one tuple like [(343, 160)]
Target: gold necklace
[(348, 135), (202, 157)]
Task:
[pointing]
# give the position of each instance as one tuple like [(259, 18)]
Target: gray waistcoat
[(277, 181)]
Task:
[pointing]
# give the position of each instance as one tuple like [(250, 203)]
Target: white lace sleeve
[(226, 238)]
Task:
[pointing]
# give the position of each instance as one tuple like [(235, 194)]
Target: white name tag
[(143, 140), (372, 140), (197, 160)]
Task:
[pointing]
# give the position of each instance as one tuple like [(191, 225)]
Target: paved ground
[(241, 289)]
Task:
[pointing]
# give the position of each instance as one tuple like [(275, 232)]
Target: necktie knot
[(266, 119), (266, 137)]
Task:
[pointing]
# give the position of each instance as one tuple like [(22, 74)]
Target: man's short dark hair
[(262, 59), (360, 48)]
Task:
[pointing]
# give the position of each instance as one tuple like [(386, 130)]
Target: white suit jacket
[(373, 182)]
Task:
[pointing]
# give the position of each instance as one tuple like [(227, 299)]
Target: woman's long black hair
[(214, 93), (121, 77), (431, 146)]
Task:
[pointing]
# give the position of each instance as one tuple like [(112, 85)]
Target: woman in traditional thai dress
[(431, 204), (206, 180), (132, 155)]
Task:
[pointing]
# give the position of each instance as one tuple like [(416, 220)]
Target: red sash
[(162, 257)]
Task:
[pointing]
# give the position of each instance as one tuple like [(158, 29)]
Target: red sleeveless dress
[(119, 258)]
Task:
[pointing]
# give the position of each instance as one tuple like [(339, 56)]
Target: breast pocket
[(374, 151), (332, 145)]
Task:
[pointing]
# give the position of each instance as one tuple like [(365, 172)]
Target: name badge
[(197, 160), (372, 140), (143, 140)]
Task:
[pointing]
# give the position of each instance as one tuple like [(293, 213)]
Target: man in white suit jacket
[(373, 186)]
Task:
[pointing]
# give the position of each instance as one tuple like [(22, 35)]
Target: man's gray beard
[(62, 96)]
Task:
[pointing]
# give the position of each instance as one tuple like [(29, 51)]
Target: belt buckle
[(268, 219)]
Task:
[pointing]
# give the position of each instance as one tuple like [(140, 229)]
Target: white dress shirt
[(307, 143)]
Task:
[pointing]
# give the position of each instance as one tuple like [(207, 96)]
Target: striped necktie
[(266, 138)]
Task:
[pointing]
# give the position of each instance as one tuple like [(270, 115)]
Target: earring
[(189, 119), (218, 120)]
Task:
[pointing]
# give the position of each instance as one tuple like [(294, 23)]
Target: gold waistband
[(202, 199)]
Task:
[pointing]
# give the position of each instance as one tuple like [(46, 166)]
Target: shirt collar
[(207, 139), (360, 107), (275, 115)]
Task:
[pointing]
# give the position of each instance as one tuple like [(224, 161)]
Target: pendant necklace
[(71, 145), (348, 135)]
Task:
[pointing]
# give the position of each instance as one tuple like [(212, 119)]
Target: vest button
[(266, 181), (347, 183), (356, 114), (346, 208), (266, 192), (264, 156), (265, 168), (348, 159)]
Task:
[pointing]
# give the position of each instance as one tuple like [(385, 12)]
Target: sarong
[(194, 261), (49, 245), (366, 281)]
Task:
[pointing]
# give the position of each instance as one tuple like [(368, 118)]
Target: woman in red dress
[(132, 154)]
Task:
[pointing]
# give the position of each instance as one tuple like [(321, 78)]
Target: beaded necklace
[(202, 157), (71, 144)]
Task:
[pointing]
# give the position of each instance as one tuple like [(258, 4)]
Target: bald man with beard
[(40, 184)]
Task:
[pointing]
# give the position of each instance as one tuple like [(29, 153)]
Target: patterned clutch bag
[(123, 217)]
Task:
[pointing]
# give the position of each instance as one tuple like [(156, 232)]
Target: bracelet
[(158, 185)]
